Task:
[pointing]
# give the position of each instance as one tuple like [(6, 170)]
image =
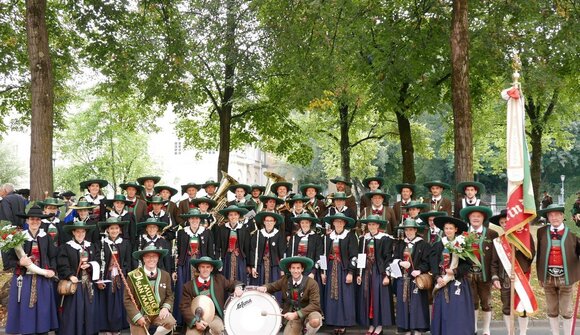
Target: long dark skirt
[(339, 312), (372, 293), (79, 313), (39, 319), (261, 280), (241, 275), (112, 315), (414, 313), (456, 316), (183, 276)]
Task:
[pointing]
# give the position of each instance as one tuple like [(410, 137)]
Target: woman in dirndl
[(96, 197), (111, 311), (79, 262), (267, 249), (193, 241), (342, 248), (31, 301), (413, 253), (233, 244), (374, 302), (453, 304)]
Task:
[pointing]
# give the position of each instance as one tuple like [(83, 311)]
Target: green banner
[(144, 292)]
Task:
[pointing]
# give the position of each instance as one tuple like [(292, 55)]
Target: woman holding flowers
[(31, 303), (450, 262)]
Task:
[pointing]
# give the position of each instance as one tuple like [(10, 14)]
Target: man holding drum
[(210, 284), (300, 296)]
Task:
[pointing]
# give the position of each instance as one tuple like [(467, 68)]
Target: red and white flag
[(521, 207)]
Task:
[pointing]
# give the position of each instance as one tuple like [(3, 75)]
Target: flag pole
[(512, 329), (516, 65)]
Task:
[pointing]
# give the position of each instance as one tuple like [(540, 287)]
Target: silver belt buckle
[(556, 271), (475, 269)]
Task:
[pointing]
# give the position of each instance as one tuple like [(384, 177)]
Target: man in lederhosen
[(479, 277), (558, 266), (212, 284), (377, 207), (501, 279), (300, 296)]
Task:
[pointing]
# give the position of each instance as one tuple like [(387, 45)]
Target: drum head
[(244, 315)]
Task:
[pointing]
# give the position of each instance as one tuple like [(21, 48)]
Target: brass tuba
[(272, 179), (221, 195)]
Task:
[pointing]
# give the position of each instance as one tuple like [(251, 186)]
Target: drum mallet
[(264, 313)]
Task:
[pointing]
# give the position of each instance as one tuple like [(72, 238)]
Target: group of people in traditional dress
[(136, 260)]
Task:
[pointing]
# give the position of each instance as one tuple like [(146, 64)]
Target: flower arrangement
[(463, 247), (12, 237)]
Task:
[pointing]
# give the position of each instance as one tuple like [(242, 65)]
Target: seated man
[(212, 284), (153, 297), (300, 296)]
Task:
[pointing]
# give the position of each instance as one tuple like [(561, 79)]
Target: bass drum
[(254, 313)]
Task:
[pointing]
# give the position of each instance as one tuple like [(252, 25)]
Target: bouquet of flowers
[(12, 237), (461, 247)]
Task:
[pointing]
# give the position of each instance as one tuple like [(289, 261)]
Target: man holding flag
[(501, 278), (521, 207), (558, 266)]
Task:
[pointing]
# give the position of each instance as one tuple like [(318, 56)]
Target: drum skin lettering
[(243, 303)]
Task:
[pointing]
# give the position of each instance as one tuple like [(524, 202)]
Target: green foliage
[(175, 54), (106, 140), (14, 67)]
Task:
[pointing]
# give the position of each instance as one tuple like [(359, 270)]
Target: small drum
[(254, 313)]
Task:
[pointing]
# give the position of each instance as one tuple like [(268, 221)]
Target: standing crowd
[(139, 260)]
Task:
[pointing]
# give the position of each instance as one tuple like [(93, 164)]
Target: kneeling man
[(300, 296), (208, 283), (150, 288)]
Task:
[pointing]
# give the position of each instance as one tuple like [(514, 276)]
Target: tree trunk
[(225, 112), (462, 121), (407, 149), (344, 141), (41, 122), (536, 161)]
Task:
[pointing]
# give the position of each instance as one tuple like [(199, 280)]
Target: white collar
[(77, 246), (333, 236), (242, 201), (479, 230), (119, 240), (405, 202), (203, 281), (133, 200), (114, 214), (296, 214), (559, 228), (238, 226), (411, 243), (148, 240), (436, 198), (54, 220), (342, 209), (148, 272), (199, 231), (41, 233), (435, 230), (297, 282), (445, 240), (270, 234), (301, 234), (96, 200), (161, 213), (379, 235), (377, 208)]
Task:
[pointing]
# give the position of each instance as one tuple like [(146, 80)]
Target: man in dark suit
[(12, 204)]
